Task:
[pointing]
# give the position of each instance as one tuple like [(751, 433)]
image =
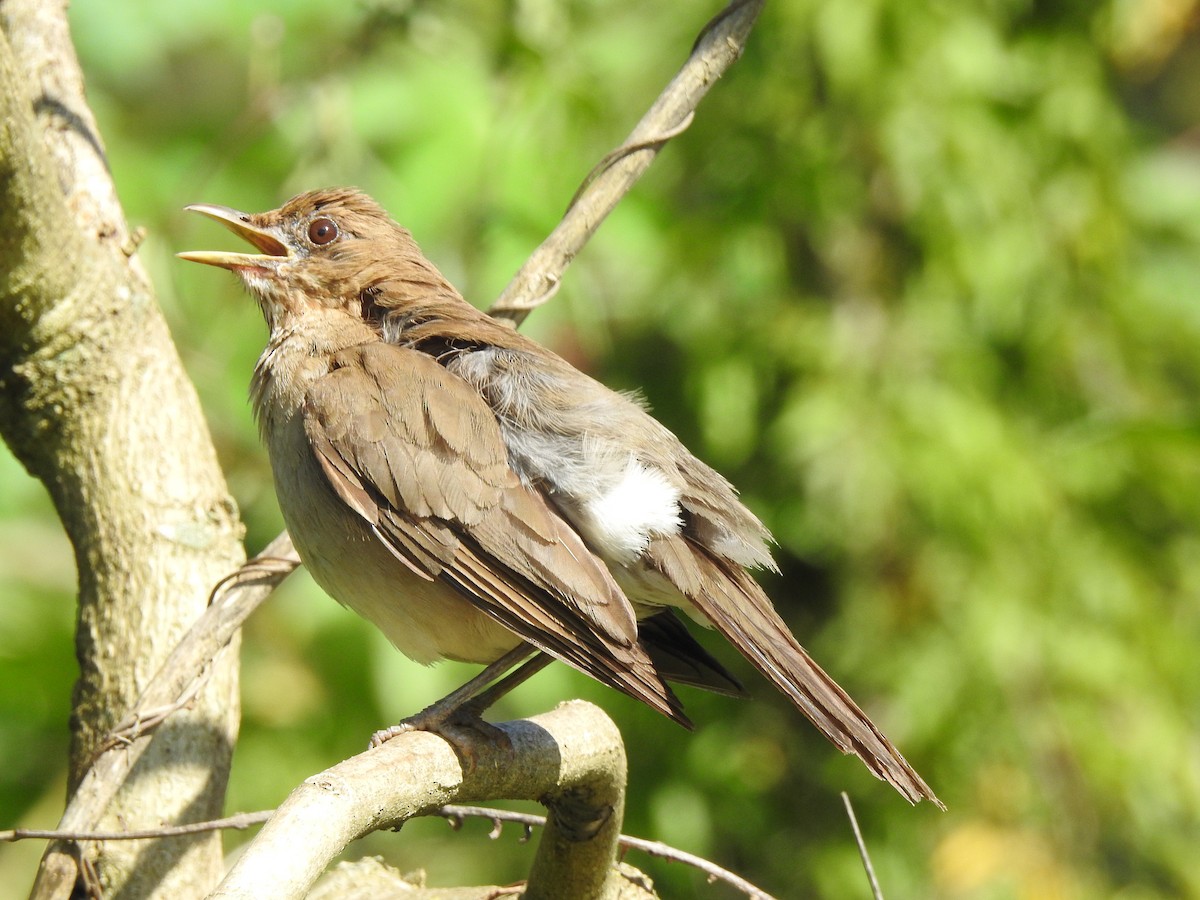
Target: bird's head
[(322, 250)]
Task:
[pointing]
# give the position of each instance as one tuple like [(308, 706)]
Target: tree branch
[(571, 759), (453, 813), (182, 675), (94, 402), (718, 47)]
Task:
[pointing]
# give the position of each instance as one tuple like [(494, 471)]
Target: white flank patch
[(621, 521)]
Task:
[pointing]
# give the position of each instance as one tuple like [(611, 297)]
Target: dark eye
[(321, 231)]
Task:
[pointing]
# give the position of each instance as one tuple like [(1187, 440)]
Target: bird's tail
[(742, 612)]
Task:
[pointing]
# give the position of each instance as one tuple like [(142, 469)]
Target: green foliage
[(921, 279)]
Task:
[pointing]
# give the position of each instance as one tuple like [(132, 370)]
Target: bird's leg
[(464, 707), (482, 701)]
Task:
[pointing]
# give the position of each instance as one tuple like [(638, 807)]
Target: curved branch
[(571, 759)]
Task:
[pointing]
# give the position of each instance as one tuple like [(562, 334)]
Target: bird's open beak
[(273, 250)]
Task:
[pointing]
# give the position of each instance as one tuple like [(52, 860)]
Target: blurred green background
[(921, 279)]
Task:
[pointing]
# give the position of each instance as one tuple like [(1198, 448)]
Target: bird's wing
[(716, 518), (733, 601), (712, 514), (414, 451), (681, 659)]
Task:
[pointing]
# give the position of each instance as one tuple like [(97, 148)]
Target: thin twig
[(862, 849), (240, 822), (454, 814), (614, 156), (711, 869), (230, 604), (142, 721), (719, 45)]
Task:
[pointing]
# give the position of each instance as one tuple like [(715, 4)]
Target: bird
[(478, 498)]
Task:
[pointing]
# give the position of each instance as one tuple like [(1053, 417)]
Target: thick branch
[(571, 759), (95, 403)]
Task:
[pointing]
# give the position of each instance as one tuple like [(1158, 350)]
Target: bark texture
[(95, 403), (571, 759)]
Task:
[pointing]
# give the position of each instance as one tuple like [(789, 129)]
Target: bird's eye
[(322, 231)]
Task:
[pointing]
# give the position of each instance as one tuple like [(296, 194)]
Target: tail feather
[(742, 612)]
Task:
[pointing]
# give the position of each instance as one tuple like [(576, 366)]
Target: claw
[(460, 726)]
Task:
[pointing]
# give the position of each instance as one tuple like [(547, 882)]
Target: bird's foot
[(458, 717), (462, 726)]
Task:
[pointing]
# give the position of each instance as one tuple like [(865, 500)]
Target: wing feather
[(415, 451)]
